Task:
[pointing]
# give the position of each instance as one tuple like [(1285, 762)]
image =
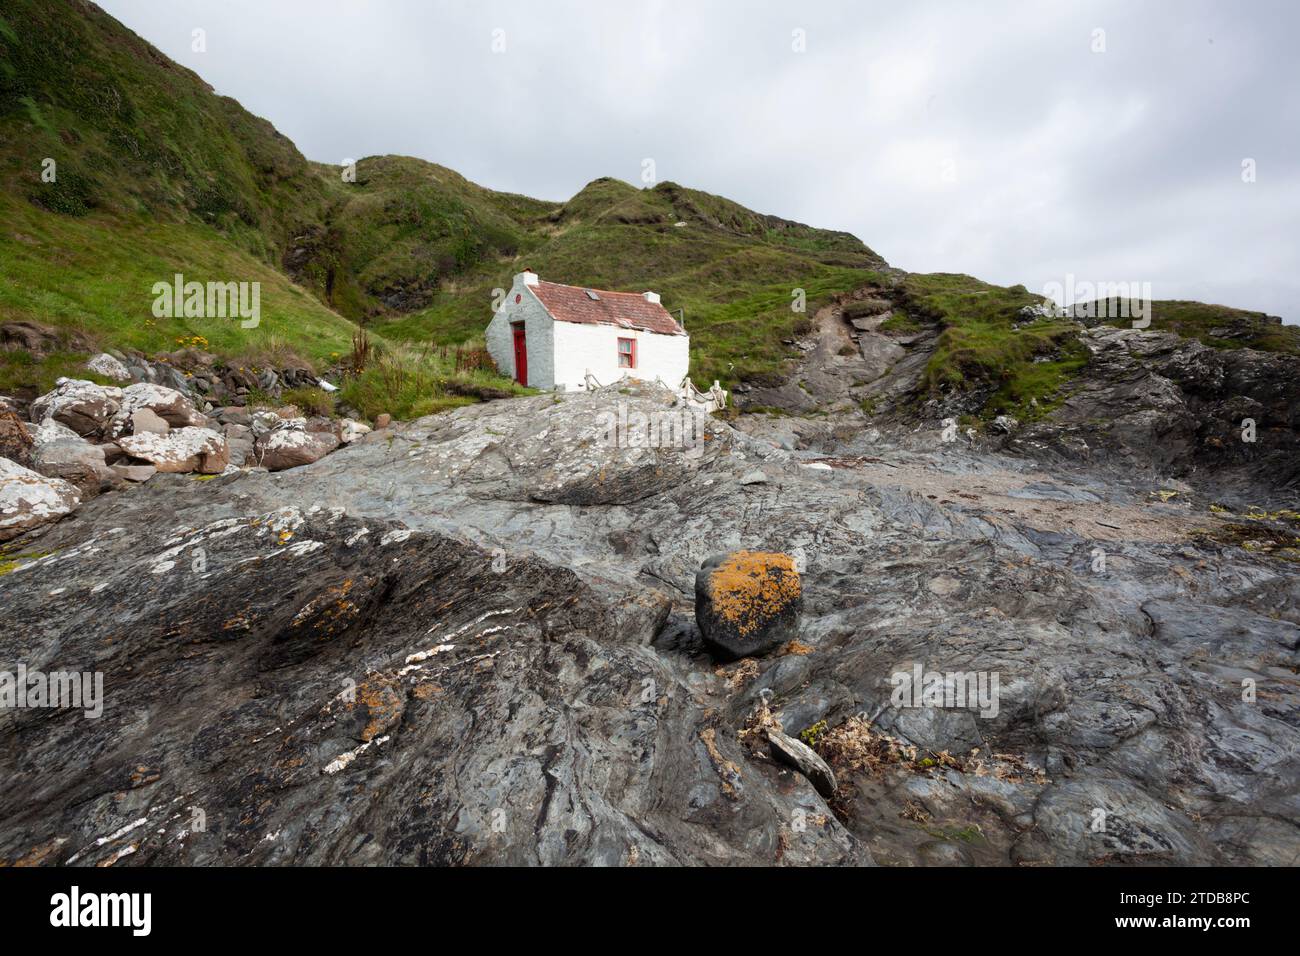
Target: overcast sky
[(1013, 141)]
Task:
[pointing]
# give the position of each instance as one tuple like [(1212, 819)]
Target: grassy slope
[(731, 270), (157, 175), (1218, 326), (95, 273), (1030, 366), (1027, 368)]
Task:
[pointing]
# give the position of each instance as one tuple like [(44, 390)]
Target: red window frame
[(630, 353)]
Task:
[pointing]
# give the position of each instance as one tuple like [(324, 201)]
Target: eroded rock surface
[(470, 639)]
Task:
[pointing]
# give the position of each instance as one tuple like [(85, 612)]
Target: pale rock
[(290, 446), (797, 754), (83, 406), (167, 403), (59, 452), (181, 450), (147, 420), (29, 500), (262, 422), (135, 472), (349, 430), (109, 367)]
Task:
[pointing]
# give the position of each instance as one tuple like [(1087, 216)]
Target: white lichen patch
[(29, 499), (115, 835), (394, 536), (419, 656), (342, 760)]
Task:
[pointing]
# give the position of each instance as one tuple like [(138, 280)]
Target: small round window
[(518, 299)]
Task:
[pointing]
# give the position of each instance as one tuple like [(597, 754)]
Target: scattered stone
[(169, 404), (15, 442), (83, 406), (104, 364), (147, 420), (241, 450), (290, 446), (350, 431), (747, 602), (797, 754), (135, 472), (182, 450), (754, 478), (59, 452), (29, 500), (263, 422), (233, 415)]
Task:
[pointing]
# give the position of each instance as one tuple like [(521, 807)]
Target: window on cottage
[(627, 353)]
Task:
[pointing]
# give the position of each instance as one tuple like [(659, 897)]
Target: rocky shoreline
[(472, 640)]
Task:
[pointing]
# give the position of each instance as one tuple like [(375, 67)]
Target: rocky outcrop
[(40, 339), (1156, 400), (419, 650), (29, 500)]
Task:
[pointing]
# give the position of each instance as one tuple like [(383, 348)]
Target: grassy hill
[(731, 270), (158, 175)]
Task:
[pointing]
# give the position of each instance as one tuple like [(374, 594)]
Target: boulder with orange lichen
[(747, 602)]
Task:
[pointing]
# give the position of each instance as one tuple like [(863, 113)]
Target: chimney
[(651, 297), (529, 277)]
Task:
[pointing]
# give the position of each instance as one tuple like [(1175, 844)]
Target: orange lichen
[(752, 586), (384, 704)]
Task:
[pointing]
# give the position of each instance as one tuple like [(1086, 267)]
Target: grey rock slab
[(797, 754)]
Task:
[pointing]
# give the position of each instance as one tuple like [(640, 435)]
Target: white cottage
[(553, 336)]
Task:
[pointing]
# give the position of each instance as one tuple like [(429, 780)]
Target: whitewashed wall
[(595, 347)]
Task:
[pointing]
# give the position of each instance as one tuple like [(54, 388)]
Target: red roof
[(627, 310)]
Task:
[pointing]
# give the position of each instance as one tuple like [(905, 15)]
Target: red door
[(521, 356)]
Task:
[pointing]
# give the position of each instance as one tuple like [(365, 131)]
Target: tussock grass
[(410, 382), (983, 344)]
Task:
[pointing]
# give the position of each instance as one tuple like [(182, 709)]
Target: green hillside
[(157, 175), (730, 269)]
